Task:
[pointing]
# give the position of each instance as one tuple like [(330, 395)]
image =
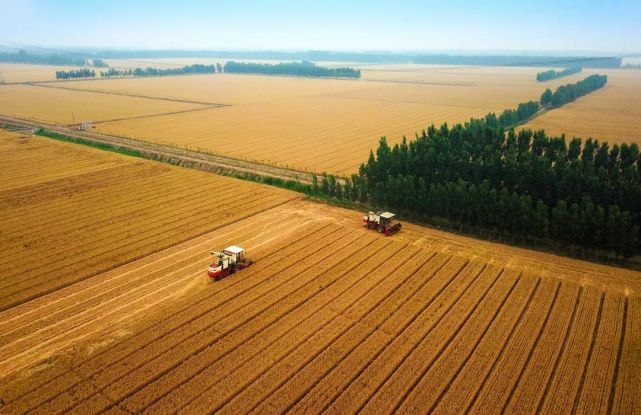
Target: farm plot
[(21, 72), (62, 106), (70, 212), (314, 133), (611, 114), (330, 318)]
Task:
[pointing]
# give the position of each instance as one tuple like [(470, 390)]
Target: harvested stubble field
[(330, 318), (611, 114), (69, 212)]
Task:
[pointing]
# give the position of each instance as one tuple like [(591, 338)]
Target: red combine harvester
[(382, 221), (227, 262)]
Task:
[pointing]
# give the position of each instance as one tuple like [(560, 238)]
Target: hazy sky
[(543, 25)]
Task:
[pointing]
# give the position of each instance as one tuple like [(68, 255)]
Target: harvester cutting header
[(383, 222)]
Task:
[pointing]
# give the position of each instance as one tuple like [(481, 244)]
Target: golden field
[(331, 317), (318, 124), (69, 212), (611, 114), (21, 72), (62, 106)]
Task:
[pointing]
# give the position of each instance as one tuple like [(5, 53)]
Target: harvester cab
[(383, 222), (227, 262)]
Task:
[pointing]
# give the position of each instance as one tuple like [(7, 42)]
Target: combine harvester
[(227, 262), (382, 221)]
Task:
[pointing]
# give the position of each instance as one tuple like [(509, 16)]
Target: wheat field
[(611, 114)]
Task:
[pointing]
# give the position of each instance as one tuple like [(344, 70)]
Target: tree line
[(570, 92), (584, 193), (303, 68), (60, 59), (76, 74), (140, 72), (552, 74)]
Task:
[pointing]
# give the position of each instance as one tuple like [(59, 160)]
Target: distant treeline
[(570, 92), (52, 59), (527, 184), (303, 68), (75, 74), (190, 69), (552, 74), (374, 57)]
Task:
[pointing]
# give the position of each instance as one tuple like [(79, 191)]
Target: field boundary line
[(183, 101)]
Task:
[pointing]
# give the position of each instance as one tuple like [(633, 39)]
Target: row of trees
[(570, 92), (585, 193), (524, 111), (76, 74), (189, 69), (303, 68), (552, 74)]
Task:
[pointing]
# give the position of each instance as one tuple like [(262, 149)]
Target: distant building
[(85, 125)]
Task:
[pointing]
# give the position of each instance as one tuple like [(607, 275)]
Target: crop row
[(21, 201), (369, 353), (88, 202), (533, 377), (627, 381), (444, 286), (434, 337), (117, 218), (349, 311), (597, 387), (128, 238)]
